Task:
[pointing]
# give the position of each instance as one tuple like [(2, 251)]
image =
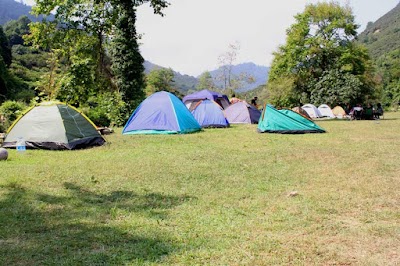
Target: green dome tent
[(53, 126), (285, 122)]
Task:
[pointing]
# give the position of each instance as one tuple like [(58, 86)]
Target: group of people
[(252, 102), (368, 112)]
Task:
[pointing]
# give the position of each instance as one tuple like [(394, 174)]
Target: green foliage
[(336, 88), (10, 110), (18, 80), (107, 109), (388, 70), (10, 86), (281, 92), (16, 29), (4, 77), (159, 80), (127, 60), (382, 38), (98, 116), (78, 83), (206, 82), (320, 42), (5, 51), (81, 32)]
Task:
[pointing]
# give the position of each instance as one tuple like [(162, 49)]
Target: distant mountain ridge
[(259, 73), (383, 35), (184, 82), (12, 10)]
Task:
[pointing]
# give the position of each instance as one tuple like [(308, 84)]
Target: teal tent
[(285, 122)]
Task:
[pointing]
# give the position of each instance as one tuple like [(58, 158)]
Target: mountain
[(383, 35), (12, 10), (382, 39), (258, 73), (182, 82)]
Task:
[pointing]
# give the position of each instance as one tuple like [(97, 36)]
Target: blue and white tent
[(161, 113), (209, 114)]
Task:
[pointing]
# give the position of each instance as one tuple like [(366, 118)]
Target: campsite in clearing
[(219, 197)]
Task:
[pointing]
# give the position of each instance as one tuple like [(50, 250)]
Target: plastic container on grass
[(20, 145)]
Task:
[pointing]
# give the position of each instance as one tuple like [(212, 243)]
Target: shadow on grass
[(83, 228)]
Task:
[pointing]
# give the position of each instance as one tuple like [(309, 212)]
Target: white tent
[(326, 111), (311, 110)]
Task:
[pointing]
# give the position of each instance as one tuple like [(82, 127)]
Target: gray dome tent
[(54, 126)]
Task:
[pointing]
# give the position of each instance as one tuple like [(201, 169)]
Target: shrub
[(107, 109), (98, 116), (10, 110)]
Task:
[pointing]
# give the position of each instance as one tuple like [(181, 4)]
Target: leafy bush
[(107, 109), (10, 110), (98, 116)]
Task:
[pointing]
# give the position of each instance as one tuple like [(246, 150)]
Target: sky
[(194, 33)]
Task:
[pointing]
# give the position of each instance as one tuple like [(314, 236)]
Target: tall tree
[(159, 80), (5, 60), (231, 81), (321, 43), (127, 60), (5, 50), (81, 25), (206, 82), (226, 61)]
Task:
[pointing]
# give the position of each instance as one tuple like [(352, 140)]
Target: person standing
[(254, 101)]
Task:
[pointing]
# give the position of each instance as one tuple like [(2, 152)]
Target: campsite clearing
[(218, 197)]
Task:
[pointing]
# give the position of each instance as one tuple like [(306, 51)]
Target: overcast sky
[(193, 33)]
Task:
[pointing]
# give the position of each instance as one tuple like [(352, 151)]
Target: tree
[(231, 81), (226, 61), (388, 70), (127, 61), (319, 43), (5, 50), (15, 29), (159, 80), (206, 82), (82, 30)]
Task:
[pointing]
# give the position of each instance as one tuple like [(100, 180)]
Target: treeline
[(324, 61), (87, 56)]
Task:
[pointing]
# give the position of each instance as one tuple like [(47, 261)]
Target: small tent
[(301, 111), (286, 122), (311, 110), (193, 98), (326, 111), (161, 113), (242, 112), (209, 114), (339, 112), (53, 126)]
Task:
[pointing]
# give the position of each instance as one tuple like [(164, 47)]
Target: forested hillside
[(12, 10), (383, 35), (258, 74), (182, 82), (382, 38)]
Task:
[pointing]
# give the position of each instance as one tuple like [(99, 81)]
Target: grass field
[(219, 197)]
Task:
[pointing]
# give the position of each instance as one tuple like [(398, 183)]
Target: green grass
[(219, 197)]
